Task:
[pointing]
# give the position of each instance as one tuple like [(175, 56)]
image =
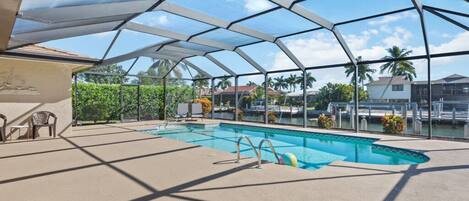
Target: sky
[(369, 38)]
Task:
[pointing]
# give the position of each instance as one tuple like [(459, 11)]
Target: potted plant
[(240, 114), (271, 117), (325, 121), (393, 124)]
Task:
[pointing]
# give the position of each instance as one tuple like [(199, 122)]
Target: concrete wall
[(375, 92), (35, 86)]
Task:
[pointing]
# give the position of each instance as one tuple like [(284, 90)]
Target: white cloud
[(254, 6), (399, 37), (393, 18), (163, 19)]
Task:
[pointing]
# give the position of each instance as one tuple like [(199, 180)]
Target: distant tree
[(292, 81), (309, 81), (364, 72), (201, 84), (159, 68), (251, 83), (337, 93), (115, 75), (280, 83), (270, 83), (223, 84)]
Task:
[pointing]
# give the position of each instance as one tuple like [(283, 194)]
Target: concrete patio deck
[(117, 162)]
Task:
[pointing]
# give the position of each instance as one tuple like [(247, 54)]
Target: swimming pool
[(313, 150)]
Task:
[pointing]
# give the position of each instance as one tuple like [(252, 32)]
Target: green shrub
[(101, 102), (271, 117), (325, 121), (393, 124)]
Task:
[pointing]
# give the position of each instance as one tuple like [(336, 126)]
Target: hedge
[(101, 102)]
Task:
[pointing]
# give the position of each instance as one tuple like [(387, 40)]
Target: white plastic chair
[(182, 110), (197, 111)]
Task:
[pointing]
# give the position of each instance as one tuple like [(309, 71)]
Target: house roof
[(240, 89), (389, 80), (246, 89), (40, 51), (452, 79)]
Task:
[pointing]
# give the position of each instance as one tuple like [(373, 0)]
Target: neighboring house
[(389, 90), (452, 88), (227, 95), (311, 96)]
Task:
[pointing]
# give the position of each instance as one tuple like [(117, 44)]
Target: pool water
[(313, 150)]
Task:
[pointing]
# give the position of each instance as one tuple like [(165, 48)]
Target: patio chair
[(197, 111), (42, 119), (182, 110), (3, 128)]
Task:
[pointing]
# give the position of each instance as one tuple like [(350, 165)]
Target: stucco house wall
[(32, 85), (376, 91)]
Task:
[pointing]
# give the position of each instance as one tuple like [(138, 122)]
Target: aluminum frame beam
[(251, 61), (221, 65), (175, 35), (419, 7), (171, 69), (446, 11), (195, 67), (232, 26), (313, 17), (201, 17), (137, 53), (444, 17), (183, 50), (160, 56), (289, 54)]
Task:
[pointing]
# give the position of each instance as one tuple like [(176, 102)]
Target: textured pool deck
[(116, 162)]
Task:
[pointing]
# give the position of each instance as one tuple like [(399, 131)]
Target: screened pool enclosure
[(274, 62)]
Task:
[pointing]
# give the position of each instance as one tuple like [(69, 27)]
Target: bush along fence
[(104, 103)]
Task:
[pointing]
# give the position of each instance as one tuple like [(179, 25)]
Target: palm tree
[(163, 66), (251, 83), (291, 81), (270, 83), (200, 84), (364, 72), (309, 81), (397, 66), (280, 83), (223, 84)]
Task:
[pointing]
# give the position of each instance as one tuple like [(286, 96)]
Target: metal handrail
[(238, 147), (259, 156)]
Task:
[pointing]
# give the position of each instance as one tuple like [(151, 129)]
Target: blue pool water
[(313, 150)]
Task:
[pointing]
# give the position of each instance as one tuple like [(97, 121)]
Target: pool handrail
[(238, 147), (259, 156)]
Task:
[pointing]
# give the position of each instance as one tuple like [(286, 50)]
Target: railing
[(259, 157), (238, 147)]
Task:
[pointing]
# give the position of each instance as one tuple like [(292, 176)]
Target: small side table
[(18, 127)]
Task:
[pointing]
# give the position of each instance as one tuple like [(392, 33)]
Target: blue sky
[(368, 39)]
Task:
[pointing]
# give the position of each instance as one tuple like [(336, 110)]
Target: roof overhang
[(8, 10)]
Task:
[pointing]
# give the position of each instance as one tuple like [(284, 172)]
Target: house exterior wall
[(445, 92), (37, 86), (375, 92)]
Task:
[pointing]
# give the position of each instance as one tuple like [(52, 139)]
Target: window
[(397, 87)]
